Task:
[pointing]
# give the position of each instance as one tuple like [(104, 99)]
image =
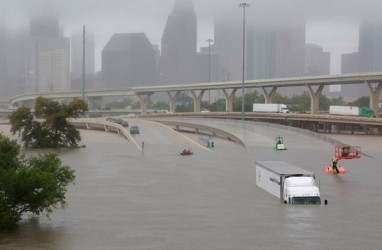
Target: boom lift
[(342, 151)]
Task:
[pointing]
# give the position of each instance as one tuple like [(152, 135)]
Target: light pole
[(83, 63), (243, 5), (209, 67)]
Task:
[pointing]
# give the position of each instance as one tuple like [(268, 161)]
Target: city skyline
[(331, 26)]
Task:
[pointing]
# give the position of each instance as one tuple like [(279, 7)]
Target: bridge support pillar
[(375, 91), (268, 96), (229, 99), (315, 98), (197, 99), (173, 99), (144, 99)]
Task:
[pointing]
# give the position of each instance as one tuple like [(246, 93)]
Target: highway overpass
[(313, 84)]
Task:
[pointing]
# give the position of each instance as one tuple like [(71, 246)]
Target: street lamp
[(243, 5), (83, 63), (209, 67)]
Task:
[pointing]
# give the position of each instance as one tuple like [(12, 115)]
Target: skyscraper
[(128, 60), (290, 49), (317, 62), (274, 48), (228, 46), (179, 41), (2, 58), (370, 47), (48, 55)]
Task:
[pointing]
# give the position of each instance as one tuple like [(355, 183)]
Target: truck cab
[(301, 190)]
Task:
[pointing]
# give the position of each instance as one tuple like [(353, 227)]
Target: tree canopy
[(47, 126), (36, 185)]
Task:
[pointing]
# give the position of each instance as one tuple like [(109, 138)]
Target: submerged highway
[(156, 199)]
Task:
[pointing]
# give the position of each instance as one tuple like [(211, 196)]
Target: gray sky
[(332, 24)]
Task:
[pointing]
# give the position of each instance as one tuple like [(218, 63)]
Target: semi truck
[(270, 107), (351, 110), (289, 183)]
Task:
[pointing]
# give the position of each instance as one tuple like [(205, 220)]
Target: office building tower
[(228, 45), (179, 41), (350, 63), (290, 50), (128, 60), (370, 47), (317, 62), (3, 50), (48, 55)]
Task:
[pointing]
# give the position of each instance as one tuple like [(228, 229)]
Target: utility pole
[(83, 64), (243, 5), (209, 67)]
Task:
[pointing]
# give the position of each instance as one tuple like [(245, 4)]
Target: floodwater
[(124, 198)]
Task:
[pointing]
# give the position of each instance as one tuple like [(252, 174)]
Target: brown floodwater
[(124, 198)]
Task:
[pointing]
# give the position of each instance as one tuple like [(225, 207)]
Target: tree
[(36, 185), (362, 101), (54, 131)]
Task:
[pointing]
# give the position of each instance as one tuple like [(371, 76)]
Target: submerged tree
[(53, 130), (33, 186)]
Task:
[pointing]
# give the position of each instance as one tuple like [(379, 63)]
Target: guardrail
[(91, 123), (201, 129)]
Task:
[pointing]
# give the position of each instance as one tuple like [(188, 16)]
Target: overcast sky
[(332, 24)]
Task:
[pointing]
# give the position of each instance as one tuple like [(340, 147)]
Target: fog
[(330, 24)]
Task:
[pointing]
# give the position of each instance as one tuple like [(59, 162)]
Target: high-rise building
[(2, 58), (290, 50), (48, 55), (273, 49), (262, 53), (128, 60), (317, 62), (370, 47), (49, 67), (77, 54), (179, 41), (228, 45), (349, 63)]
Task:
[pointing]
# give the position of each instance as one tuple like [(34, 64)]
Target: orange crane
[(342, 151)]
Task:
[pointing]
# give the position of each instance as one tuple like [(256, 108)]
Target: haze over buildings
[(277, 35)]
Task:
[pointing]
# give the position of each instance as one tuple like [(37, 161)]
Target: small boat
[(329, 170), (186, 152)]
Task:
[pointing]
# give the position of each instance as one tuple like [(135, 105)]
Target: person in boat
[(184, 151), (334, 165)]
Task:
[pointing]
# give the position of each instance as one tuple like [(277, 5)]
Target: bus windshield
[(306, 200)]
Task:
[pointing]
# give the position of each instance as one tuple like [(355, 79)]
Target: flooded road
[(161, 200)]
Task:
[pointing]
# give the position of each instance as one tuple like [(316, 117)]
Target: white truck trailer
[(270, 107), (351, 111), (289, 183)]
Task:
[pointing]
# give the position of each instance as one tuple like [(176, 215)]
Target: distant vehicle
[(270, 107), (204, 110), (134, 129), (125, 124), (12, 107), (351, 110)]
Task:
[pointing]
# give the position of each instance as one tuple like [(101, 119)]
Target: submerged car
[(134, 130), (125, 124)]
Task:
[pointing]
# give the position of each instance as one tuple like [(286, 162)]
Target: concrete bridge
[(313, 84)]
